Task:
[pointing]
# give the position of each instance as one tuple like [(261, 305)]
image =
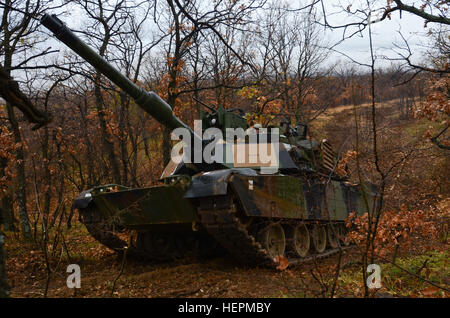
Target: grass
[(418, 127), (432, 266)]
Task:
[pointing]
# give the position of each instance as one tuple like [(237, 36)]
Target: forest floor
[(219, 277), (102, 275)]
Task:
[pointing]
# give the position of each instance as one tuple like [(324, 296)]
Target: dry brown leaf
[(430, 291), (282, 261)]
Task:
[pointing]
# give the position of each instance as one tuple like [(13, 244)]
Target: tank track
[(107, 233), (102, 231), (143, 245), (179, 245), (219, 216)]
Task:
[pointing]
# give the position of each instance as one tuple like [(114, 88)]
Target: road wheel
[(272, 239), (332, 232), (164, 244), (319, 238), (188, 245), (299, 240)]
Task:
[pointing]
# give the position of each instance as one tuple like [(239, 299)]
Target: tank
[(297, 211)]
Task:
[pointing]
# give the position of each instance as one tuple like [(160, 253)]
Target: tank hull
[(142, 208), (236, 208)]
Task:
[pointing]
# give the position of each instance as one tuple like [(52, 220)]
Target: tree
[(7, 147), (16, 29), (107, 19), (12, 94), (435, 17), (360, 18), (132, 51), (292, 56)]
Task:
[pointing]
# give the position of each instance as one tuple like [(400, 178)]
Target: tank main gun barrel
[(149, 101)]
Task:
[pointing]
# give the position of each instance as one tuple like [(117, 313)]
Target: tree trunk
[(171, 100), (108, 145), (7, 213), (4, 287), (20, 157), (123, 118), (6, 206), (21, 178), (47, 176), (166, 145)]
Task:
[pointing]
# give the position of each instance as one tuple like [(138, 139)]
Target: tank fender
[(212, 183), (83, 200)]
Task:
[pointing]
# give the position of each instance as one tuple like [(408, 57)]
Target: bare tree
[(107, 18), (360, 19), (16, 29), (132, 49), (292, 55)]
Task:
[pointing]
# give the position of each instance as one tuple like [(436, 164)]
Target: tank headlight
[(213, 121)]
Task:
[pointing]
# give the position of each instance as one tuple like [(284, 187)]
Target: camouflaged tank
[(298, 212)]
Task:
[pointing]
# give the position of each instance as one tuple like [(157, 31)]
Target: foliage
[(433, 266), (264, 109), (436, 108), (395, 229), (7, 158), (398, 282), (342, 166)]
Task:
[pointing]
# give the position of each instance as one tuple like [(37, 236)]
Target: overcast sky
[(385, 33)]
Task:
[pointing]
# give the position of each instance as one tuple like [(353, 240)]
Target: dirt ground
[(218, 277)]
